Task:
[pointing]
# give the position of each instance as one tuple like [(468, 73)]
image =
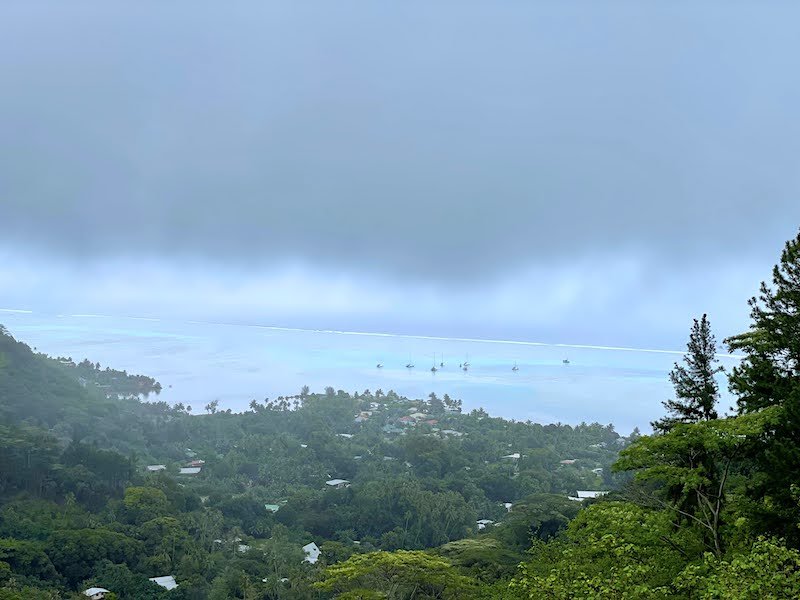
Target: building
[(514, 456), (312, 553), (189, 470), (196, 463), (167, 581), (587, 495), (338, 483), (484, 523), (568, 461), (156, 468), (273, 508), (407, 421), (345, 435), (584, 494), (96, 593)]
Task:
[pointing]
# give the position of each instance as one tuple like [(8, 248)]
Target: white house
[(508, 506), (345, 435), (484, 523), (312, 552), (167, 581), (514, 456), (584, 494), (155, 468), (568, 461), (96, 593), (189, 470), (587, 494), (338, 483)]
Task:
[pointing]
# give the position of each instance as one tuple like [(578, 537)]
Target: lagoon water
[(197, 362)]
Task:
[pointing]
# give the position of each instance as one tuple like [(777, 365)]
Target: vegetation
[(421, 501)]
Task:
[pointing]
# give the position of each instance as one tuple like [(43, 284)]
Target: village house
[(568, 461), (155, 468), (167, 581), (587, 495), (484, 523), (96, 593), (312, 553), (338, 483), (189, 470)]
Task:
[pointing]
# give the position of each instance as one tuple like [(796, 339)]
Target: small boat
[(464, 368), (379, 366), (565, 361), (433, 368), (515, 367), (409, 366)]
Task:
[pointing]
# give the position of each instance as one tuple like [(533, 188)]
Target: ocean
[(197, 362)]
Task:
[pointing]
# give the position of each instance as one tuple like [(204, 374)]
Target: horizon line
[(397, 335)]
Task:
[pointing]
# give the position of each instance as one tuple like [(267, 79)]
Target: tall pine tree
[(696, 389), (768, 376)]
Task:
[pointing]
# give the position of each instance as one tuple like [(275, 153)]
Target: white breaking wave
[(16, 310)]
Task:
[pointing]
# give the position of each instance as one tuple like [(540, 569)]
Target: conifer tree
[(770, 376), (696, 389)]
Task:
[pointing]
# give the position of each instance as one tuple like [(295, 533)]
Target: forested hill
[(373, 496), (103, 489)]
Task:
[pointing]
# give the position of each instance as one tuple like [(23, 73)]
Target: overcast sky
[(559, 171)]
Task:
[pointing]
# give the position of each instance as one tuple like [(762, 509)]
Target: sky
[(572, 172)]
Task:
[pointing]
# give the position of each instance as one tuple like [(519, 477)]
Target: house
[(584, 494), (418, 415), (304, 445), (273, 508), (312, 553), (338, 483), (452, 432), (568, 461), (243, 548), (155, 468), (598, 471), (189, 470), (431, 422), (196, 463), (514, 456), (167, 581), (484, 523), (96, 593), (407, 421), (508, 506), (345, 435)]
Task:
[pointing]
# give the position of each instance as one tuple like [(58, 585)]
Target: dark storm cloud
[(443, 141)]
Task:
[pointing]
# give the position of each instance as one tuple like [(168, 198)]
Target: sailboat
[(565, 361), (379, 366), (410, 364), (466, 362), (433, 368), (515, 367)]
